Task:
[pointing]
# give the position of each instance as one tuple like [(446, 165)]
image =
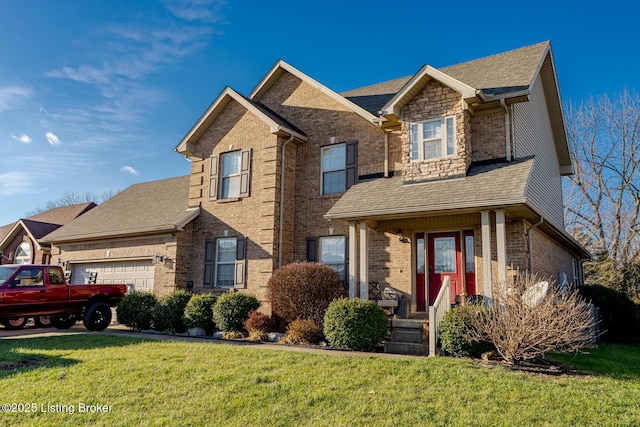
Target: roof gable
[(281, 67), (277, 124)]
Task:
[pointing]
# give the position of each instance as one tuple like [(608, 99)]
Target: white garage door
[(138, 273)]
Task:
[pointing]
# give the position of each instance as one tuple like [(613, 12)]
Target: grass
[(151, 383)]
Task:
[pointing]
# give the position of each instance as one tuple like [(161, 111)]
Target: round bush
[(454, 329), (199, 312), (303, 291), (168, 312), (135, 310), (233, 308), (355, 324), (304, 331), (618, 313), (258, 322)]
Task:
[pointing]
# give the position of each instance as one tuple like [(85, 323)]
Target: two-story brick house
[(453, 171)]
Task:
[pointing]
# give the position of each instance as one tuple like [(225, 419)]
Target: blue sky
[(94, 95)]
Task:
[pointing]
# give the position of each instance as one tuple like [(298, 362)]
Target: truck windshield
[(5, 273)]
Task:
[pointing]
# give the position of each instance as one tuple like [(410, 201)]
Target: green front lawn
[(182, 383)]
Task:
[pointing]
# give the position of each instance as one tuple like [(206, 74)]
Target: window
[(433, 139), (30, 277), (333, 253), (224, 263), (23, 254), (338, 164), (229, 175), (55, 276)]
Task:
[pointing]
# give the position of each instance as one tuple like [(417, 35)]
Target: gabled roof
[(39, 225), (63, 215), (278, 124), (147, 208), (418, 81), (281, 67)]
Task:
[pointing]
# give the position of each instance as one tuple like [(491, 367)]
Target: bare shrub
[(524, 322), (303, 291)]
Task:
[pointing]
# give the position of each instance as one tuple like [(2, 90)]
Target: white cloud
[(22, 138), (15, 183), (53, 139), (196, 10), (11, 96), (129, 169)]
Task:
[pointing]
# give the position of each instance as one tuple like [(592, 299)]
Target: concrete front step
[(407, 335), (413, 349), (407, 323)]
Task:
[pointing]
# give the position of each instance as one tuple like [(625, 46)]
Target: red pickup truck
[(41, 290)]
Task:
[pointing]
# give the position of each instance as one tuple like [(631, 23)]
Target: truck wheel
[(97, 316), (42, 321), (63, 322), (15, 323)]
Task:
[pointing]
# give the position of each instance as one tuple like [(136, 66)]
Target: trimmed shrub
[(303, 291), (199, 312), (135, 310), (304, 331), (169, 311), (233, 308), (619, 315), (355, 324), (258, 325), (454, 332)]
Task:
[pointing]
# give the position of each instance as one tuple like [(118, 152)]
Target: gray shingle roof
[(142, 208), (63, 215), (499, 74), (484, 185)]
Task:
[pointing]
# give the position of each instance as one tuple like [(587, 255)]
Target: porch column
[(353, 260), (486, 252), (364, 261), (501, 244)]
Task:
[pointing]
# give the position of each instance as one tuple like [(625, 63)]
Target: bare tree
[(69, 198), (602, 198), (527, 319)]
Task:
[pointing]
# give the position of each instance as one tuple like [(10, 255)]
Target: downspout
[(507, 128), (529, 230), (281, 214), (386, 149)]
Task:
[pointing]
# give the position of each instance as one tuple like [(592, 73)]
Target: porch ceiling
[(498, 185)]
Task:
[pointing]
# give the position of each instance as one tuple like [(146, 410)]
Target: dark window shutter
[(241, 262), (208, 264), (213, 178), (312, 249), (351, 163), (245, 172)]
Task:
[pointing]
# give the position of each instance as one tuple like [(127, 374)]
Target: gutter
[(281, 213)]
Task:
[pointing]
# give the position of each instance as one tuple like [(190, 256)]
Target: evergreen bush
[(355, 324), (232, 309), (135, 310), (199, 312)]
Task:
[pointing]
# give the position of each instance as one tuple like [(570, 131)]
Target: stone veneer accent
[(434, 101)]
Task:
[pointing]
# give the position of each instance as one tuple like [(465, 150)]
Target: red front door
[(445, 259)]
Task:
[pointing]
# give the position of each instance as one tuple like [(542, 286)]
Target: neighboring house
[(448, 172), (137, 237), (20, 242)]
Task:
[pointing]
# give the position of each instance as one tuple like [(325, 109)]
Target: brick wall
[(489, 141), (549, 258)]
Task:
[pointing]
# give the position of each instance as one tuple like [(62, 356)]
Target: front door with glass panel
[(445, 259)]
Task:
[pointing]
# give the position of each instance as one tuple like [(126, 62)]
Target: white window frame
[(24, 253), (447, 135), (331, 264), (231, 176), (218, 263), (343, 168)]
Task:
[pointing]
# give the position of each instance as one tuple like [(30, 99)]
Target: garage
[(138, 273)]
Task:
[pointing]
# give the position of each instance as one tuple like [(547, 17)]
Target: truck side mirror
[(14, 283)]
